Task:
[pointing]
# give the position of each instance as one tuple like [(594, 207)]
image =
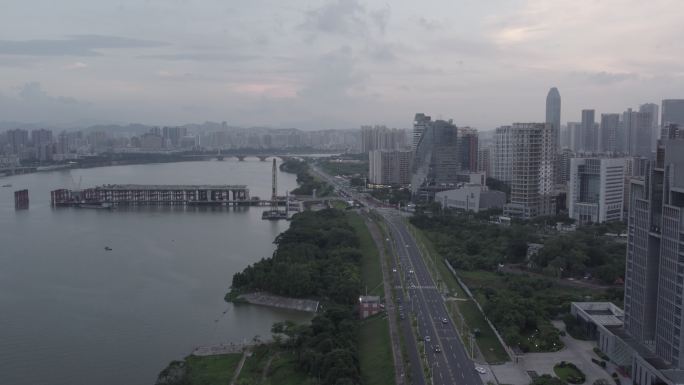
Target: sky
[(333, 63)]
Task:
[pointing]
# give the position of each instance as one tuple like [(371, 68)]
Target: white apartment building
[(390, 167), (501, 156), (596, 189), (532, 172)]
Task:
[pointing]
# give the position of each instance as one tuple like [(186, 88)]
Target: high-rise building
[(18, 140), (566, 137), (381, 138), (41, 140), (420, 124), (484, 155), (652, 109), (171, 136), (672, 112), (608, 132), (589, 137), (436, 162), (595, 189), (564, 160), (653, 277), (468, 145), (390, 167), (575, 133), (501, 156), (635, 132), (553, 115), (532, 178)]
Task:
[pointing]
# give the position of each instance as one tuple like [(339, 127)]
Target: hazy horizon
[(333, 64)]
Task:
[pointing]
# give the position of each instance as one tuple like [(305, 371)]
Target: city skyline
[(309, 65)]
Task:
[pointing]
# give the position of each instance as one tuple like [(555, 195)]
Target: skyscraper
[(575, 133), (596, 189), (532, 178), (468, 145), (609, 132), (589, 138), (484, 155), (654, 269), (553, 115), (420, 123), (652, 109), (381, 138), (673, 112), (501, 155), (390, 167), (635, 131), (436, 162)]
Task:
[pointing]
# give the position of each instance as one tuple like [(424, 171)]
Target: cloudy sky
[(333, 63)]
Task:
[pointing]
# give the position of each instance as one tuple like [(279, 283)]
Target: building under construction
[(172, 195)]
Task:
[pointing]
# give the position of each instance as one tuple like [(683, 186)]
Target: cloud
[(200, 56), (429, 24), (33, 92), (348, 18), (334, 77), (78, 45), (75, 66), (608, 78), (337, 17), (381, 17)]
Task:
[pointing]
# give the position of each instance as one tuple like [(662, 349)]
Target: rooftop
[(600, 313)]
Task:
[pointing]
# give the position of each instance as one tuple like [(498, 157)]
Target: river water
[(73, 313)]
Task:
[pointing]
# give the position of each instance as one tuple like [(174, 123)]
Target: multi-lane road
[(446, 354)]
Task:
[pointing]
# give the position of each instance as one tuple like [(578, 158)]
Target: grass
[(375, 352), (371, 273), (254, 365), (568, 372), (338, 204), (211, 369), (284, 371), (375, 349), (489, 344)]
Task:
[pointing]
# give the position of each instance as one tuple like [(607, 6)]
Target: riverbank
[(265, 299)]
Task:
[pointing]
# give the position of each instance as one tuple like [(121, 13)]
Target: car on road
[(445, 320), (401, 316), (438, 349), (480, 369), (411, 271), (394, 270), (427, 338)]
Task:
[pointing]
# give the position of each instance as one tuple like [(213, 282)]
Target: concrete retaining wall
[(266, 299)]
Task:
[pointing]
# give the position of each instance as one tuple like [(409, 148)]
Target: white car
[(427, 338), (480, 369)]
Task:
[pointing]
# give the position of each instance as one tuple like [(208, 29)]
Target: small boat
[(273, 215), (108, 248), (97, 206), (7, 185)]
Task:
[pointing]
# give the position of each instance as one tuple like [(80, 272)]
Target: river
[(73, 313)]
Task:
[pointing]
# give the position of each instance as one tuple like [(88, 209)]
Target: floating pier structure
[(171, 195)]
